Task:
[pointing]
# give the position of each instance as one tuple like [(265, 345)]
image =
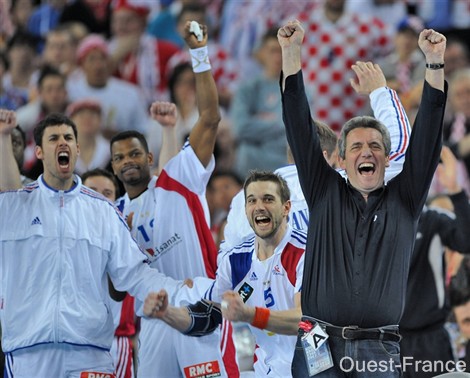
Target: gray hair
[(367, 122)]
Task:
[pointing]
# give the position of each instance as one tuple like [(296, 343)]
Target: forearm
[(291, 61), (169, 147), (10, 178), (435, 78), (284, 322), (207, 98), (177, 318)]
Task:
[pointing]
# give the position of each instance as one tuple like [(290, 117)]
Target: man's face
[(264, 209), (59, 152), (125, 22), (18, 147), (131, 164), (53, 93), (96, 69), (459, 96), (462, 315), (103, 185), (365, 159)]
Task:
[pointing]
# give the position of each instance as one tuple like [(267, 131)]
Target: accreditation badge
[(316, 348)]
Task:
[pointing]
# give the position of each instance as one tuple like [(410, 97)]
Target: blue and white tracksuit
[(56, 248)]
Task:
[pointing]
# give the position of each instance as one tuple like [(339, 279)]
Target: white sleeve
[(127, 264), (237, 227), (389, 110)]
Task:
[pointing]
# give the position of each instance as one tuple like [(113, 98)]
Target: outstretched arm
[(290, 38), (203, 135), (10, 178), (198, 319), (433, 45)]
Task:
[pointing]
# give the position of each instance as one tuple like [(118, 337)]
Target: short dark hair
[(256, 175), (459, 287), (328, 138), (22, 134), (53, 119), (99, 172), (225, 173), (366, 122), (193, 7), (128, 134), (49, 71)]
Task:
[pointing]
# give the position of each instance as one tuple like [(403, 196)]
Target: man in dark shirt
[(361, 238), (422, 325)]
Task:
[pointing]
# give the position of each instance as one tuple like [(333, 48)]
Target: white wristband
[(200, 59)]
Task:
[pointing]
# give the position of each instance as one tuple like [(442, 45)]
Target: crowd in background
[(103, 63)]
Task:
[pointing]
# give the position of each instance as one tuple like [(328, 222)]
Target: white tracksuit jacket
[(55, 250)]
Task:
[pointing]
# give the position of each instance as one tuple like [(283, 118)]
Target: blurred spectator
[(51, 98), (244, 22), (122, 103), (60, 49), (21, 55), (163, 24), (335, 40), (404, 68), (44, 18), (94, 14), (256, 113), (94, 148), (20, 12), (459, 294), (139, 58), (457, 56), (224, 68), (457, 131), (8, 99), (6, 25), (389, 11), (221, 188)]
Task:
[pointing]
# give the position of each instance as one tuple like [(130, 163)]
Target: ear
[(38, 152), (150, 158), (342, 162), (387, 161), (78, 149), (287, 207)]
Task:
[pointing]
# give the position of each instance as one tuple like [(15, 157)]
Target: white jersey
[(387, 109), (55, 258), (171, 218), (272, 284)]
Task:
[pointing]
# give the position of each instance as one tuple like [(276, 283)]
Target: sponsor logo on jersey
[(277, 271), (245, 291), (164, 247), (36, 221), (205, 370), (253, 277), (94, 374)]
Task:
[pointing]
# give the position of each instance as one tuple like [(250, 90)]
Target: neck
[(267, 246), (333, 15), (133, 191), (57, 183)]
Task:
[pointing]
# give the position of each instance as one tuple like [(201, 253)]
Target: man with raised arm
[(361, 237)]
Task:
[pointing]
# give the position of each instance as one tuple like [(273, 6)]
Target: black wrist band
[(435, 66)]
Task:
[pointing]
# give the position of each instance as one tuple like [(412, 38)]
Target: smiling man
[(257, 282), (361, 238)]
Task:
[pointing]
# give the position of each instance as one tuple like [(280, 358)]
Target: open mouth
[(366, 169), (262, 220), (64, 159)]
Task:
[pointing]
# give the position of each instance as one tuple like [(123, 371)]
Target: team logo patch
[(205, 370), (245, 291), (277, 271), (253, 277), (96, 374)]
